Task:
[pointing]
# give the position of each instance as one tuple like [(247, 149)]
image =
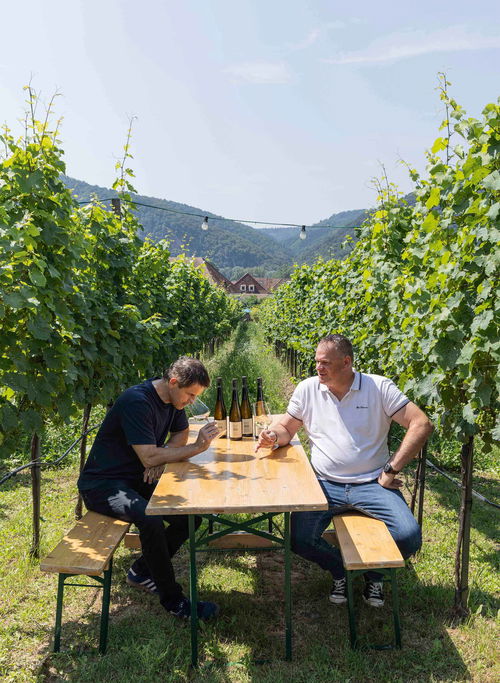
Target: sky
[(268, 110)]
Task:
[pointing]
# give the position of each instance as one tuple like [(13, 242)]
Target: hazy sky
[(278, 110)]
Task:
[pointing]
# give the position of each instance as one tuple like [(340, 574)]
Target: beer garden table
[(230, 478)]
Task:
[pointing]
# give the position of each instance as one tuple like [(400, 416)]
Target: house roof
[(270, 283), (209, 271), (245, 277)]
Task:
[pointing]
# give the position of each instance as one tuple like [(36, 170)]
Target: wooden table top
[(230, 478)]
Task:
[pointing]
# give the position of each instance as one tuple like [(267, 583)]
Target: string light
[(204, 225)]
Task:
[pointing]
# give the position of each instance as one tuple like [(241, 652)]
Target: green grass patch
[(147, 645)]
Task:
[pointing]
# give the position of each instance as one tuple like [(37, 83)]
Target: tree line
[(86, 307), (418, 294)]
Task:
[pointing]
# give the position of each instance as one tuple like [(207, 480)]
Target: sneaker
[(373, 594), (206, 610), (144, 583), (338, 594)]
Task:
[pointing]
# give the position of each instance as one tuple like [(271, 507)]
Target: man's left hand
[(152, 474), (388, 481)]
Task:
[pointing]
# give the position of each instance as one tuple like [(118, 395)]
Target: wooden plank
[(239, 539), (365, 543), (132, 541), (229, 477), (87, 548), (331, 537)]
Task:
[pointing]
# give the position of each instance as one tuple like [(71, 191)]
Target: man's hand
[(206, 435), (388, 481), (152, 474), (267, 439)]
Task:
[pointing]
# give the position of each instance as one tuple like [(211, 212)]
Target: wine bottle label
[(221, 426), (258, 429), (247, 426), (235, 430)]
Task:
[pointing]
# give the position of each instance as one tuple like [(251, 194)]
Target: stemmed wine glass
[(262, 417), (197, 411)]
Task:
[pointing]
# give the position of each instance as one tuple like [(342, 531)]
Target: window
[(243, 288), (251, 288)]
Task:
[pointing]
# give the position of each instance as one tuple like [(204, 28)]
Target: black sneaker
[(338, 594), (206, 610), (144, 583), (373, 594)]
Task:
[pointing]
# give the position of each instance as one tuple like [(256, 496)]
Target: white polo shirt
[(348, 438)]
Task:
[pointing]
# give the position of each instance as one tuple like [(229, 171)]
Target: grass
[(146, 645)]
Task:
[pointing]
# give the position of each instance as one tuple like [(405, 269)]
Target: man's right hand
[(206, 435), (267, 439)]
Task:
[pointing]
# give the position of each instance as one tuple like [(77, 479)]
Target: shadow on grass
[(145, 644)]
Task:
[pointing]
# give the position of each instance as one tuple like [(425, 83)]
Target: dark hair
[(341, 344), (188, 371)]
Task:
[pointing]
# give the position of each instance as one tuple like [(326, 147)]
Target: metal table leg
[(193, 591), (288, 589)]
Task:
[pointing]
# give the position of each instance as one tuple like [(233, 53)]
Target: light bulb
[(204, 225), (303, 233)]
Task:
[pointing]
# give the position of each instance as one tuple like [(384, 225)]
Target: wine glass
[(197, 411), (262, 417)]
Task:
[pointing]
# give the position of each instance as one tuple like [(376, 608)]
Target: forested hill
[(225, 243), (321, 241), (235, 247)]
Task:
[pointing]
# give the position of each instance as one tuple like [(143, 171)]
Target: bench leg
[(395, 608), (106, 598), (350, 607), (59, 606)]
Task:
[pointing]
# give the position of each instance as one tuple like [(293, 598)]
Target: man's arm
[(152, 474), (419, 428), (279, 433), (177, 448)]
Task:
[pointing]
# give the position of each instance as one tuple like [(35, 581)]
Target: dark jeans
[(372, 499), (127, 501)]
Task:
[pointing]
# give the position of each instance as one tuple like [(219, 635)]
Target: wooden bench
[(86, 550), (366, 544)]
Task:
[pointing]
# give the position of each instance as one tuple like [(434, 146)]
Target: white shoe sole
[(140, 587), (374, 603), (337, 601)]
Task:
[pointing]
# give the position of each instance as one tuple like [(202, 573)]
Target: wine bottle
[(260, 408), (261, 419), (220, 413), (246, 410), (235, 415)]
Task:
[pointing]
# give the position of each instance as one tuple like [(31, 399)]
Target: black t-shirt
[(138, 416)]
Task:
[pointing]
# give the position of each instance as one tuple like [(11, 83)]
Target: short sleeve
[(136, 418), (393, 398), (179, 421), (295, 406)]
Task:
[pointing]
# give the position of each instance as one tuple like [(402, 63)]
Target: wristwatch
[(388, 469)]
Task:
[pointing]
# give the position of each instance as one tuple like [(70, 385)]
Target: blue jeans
[(372, 499)]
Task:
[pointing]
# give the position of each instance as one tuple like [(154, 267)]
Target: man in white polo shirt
[(347, 415)]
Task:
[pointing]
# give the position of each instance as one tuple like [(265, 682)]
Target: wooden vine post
[(83, 454), (36, 494), (460, 607)]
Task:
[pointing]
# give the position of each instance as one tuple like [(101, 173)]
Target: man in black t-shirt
[(128, 455)]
